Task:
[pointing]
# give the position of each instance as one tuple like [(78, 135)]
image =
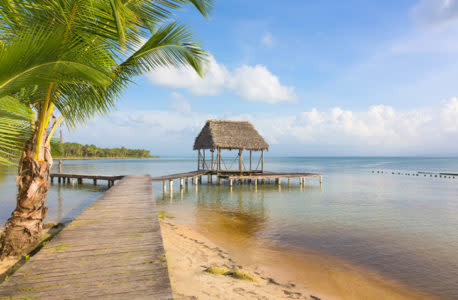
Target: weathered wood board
[(112, 250)]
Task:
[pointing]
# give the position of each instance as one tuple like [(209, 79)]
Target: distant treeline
[(69, 150)]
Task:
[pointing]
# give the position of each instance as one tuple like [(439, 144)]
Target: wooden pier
[(67, 177), (112, 250), (232, 177)]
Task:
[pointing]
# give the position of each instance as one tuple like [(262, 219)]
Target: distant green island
[(76, 151)]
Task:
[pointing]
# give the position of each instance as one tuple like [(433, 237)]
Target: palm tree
[(70, 59)]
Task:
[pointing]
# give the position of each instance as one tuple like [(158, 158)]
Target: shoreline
[(189, 257), (296, 274), (100, 158)]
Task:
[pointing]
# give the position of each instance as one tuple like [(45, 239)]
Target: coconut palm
[(70, 59)]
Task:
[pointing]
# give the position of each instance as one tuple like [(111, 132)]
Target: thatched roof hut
[(230, 135)]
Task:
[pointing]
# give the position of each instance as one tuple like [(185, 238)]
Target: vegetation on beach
[(161, 215), (75, 150), (70, 60), (235, 273)]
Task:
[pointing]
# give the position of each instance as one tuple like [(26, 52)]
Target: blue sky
[(315, 77)]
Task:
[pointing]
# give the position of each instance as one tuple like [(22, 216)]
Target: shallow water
[(401, 226)]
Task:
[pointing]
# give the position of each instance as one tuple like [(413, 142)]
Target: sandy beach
[(302, 276)]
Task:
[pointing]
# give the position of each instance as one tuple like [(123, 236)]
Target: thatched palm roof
[(230, 135)]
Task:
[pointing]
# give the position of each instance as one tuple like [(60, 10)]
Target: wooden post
[(277, 181), (181, 183), (198, 160), (80, 180), (95, 181), (186, 180), (194, 179), (170, 186), (164, 187), (52, 179), (262, 161), (59, 179), (219, 160), (213, 154), (200, 179), (240, 161), (209, 178), (230, 182), (203, 161), (60, 165), (321, 179), (251, 168), (255, 183), (289, 181), (219, 180)]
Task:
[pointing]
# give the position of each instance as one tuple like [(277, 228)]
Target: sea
[(375, 212)]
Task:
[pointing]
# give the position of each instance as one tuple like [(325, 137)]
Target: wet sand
[(280, 274)]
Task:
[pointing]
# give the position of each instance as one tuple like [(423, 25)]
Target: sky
[(316, 78)]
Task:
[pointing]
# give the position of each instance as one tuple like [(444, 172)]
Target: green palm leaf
[(15, 128), (172, 45), (35, 58)]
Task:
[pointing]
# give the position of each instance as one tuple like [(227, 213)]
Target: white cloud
[(267, 40), (435, 12), (180, 103), (378, 130), (258, 84), (252, 83), (215, 80)]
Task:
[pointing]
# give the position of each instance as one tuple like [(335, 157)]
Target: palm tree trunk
[(24, 227)]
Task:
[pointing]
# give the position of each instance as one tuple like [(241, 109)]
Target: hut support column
[(213, 154), (251, 158), (164, 187), (240, 162), (203, 160), (219, 160), (262, 161), (171, 186)]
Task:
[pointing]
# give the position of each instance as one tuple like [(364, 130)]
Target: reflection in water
[(4, 172), (370, 221), (59, 202)]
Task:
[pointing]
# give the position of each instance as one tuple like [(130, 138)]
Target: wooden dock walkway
[(112, 250), (62, 177)]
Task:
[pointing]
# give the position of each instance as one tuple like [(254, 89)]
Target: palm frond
[(37, 57), (15, 128), (172, 45)]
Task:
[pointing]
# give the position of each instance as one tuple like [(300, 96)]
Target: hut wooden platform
[(112, 250), (234, 177)]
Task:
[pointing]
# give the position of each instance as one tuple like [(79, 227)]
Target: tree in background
[(70, 59)]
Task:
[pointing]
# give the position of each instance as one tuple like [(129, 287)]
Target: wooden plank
[(112, 250), (181, 175)]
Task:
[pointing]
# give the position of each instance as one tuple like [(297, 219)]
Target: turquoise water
[(405, 227)]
